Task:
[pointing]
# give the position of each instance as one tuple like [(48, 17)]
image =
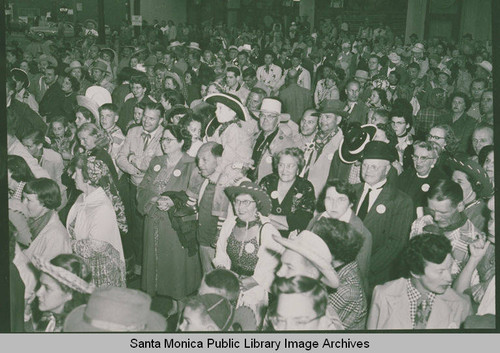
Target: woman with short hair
[(292, 197)]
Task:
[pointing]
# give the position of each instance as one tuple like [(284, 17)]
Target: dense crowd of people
[(257, 178)]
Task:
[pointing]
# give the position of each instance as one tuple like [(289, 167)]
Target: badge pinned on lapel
[(425, 187), (157, 168), (380, 209), (274, 195), (177, 173), (269, 159), (249, 248)]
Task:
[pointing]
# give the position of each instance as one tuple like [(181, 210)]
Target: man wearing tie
[(387, 212), (141, 145), (355, 108)]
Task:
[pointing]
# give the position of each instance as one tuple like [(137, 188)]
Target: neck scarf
[(36, 225)]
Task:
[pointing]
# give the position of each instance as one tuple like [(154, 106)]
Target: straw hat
[(418, 48), (62, 275), (355, 139), (314, 249), (49, 58), (175, 44), (114, 309), (74, 65), (263, 200)]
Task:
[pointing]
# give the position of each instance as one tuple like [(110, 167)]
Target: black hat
[(356, 137), (379, 150), (229, 100)]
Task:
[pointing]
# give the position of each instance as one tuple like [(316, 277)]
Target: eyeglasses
[(434, 137), (287, 165), (420, 158), (245, 203), (280, 323)]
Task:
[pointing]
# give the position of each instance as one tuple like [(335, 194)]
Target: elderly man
[(446, 216), (295, 98), (385, 211), (273, 137), (424, 300), (325, 144), (481, 136), (142, 143)]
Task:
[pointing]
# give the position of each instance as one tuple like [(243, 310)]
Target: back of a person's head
[(20, 170), (223, 282)]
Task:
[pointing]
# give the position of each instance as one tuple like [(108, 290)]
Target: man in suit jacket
[(141, 145), (387, 212), (425, 300), (356, 109), (272, 138), (296, 100)]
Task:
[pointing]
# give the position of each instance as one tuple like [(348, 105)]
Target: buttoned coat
[(389, 220), (391, 308)]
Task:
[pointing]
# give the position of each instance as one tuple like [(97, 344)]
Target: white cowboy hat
[(271, 105), (98, 94)]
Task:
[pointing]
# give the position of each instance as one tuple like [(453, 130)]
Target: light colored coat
[(391, 308)]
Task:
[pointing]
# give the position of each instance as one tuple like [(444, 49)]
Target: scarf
[(36, 225)]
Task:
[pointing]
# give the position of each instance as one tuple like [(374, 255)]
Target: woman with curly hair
[(445, 137), (64, 285), (94, 221)]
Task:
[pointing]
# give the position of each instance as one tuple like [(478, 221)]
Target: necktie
[(146, 138), (363, 210)]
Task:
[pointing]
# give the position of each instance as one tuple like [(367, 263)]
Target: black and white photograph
[(248, 166)]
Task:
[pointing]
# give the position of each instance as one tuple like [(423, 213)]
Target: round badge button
[(425, 187), (274, 195), (381, 209), (177, 173), (157, 168), (249, 248)]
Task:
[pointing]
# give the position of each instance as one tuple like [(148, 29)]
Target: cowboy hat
[(99, 65), (486, 65), (98, 94), (49, 58), (379, 150), (263, 200), (418, 48), (90, 104), (74, 65), (63, 276), (477, 175), (356, 137), (233, 47), (314, 249), (362, 74), (194, 45), (175, 44), (91, 21), (229, 100), (115, 309), (332, 106), (175, 77), (21, 75), (245, 47), (272, 105), (110, 51)]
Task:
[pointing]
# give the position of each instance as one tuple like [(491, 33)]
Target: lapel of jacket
[(399, 307), (384, 198)]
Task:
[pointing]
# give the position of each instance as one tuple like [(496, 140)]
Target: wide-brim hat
[(477, 175), (444, 70), (232, 47), (91, 21), (175, 44), (418, 48), (264, 204), (486, 65), (245, 47), (362, 74), (74, 65), (379, 150), (22, 75), (314, 249), (90, 104), (49, 58), (99, 94), (176, 78), (194, 46), (115, 309), (229, 100), (110, 51), (63, 276), (356, 137), (332, 106), (99, 65), (271, 105)]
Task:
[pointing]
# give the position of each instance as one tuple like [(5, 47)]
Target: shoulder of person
[(134, 131)]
